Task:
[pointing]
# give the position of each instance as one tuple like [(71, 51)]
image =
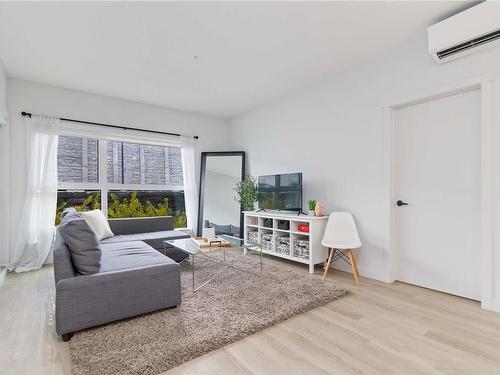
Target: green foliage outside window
[(92, 202), (133, 207), (180, 220), (125, 208)]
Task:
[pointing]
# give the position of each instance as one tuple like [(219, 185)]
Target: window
[(135, 180), (77, 159), (131, 163)]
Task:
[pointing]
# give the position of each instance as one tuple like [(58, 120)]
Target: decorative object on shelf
[(254, 221), (312, 206), (253, 236), (284, 224), (303, 228), (319, 210), (267, 223), (247, 191), (301, 248), (283, 245), (267, 241)]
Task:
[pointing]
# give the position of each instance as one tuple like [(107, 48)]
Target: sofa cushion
[(154, 239), (119, 256), (141, 224), (81, 241)]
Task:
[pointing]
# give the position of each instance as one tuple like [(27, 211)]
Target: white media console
[(290, 243)]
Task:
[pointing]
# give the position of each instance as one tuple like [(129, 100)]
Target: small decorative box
[(267, 241), (283, 245), (253, 236), (301, 248)]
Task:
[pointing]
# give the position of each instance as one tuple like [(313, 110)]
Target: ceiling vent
[(464, 33)]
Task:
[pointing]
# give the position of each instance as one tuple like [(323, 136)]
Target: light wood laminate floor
[(378, 329)]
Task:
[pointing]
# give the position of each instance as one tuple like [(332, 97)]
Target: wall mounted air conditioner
[(464, 33)]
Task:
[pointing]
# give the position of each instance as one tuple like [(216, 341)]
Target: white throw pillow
[(97, 221)]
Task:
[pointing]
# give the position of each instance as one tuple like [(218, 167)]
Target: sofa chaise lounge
[(135, 276)]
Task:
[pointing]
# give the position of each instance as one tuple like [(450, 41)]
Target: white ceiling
[(249, 53)]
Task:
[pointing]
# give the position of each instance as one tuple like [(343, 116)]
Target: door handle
[(401, 203)]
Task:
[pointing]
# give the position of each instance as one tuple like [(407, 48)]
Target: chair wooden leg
[(327, 266), (355, 264), (354, 267), (328, 257)]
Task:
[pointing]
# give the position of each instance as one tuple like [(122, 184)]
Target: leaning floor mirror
[(220, 172)]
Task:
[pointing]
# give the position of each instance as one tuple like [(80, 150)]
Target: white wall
[(219, 206), (4, 168), (333, 132), (36, 98), (3, 95)]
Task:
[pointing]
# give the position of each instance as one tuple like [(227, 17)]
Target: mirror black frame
[(201, 195)]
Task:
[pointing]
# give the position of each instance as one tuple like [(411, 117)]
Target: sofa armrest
[(90, 300), (136, 225), (63, 266)]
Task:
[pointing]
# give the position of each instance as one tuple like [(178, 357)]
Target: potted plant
[(312, 206), (247, 191)]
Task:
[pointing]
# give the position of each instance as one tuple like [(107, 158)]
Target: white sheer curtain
[(189, 176), (36, 228)]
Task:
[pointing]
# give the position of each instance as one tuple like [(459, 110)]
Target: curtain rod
[(27, 114)]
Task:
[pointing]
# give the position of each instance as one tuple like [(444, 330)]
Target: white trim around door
[(485, 85)]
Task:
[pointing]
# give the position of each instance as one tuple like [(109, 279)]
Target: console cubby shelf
[(289, 257), (293, 245)]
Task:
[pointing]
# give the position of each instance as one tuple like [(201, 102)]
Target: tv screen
[(281, 192)]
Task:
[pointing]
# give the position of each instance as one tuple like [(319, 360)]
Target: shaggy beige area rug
[(229, 308)]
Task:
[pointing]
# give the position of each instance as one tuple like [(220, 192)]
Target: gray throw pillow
[(67, 211), (82, 242)]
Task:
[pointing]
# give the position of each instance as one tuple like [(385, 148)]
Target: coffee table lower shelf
[(187, 246)]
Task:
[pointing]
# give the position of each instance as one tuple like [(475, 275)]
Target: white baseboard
[(493, 305), (3, 275)]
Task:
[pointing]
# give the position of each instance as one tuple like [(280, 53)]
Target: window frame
[(103, 185)]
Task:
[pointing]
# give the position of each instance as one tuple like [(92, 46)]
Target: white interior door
[(439, 167)]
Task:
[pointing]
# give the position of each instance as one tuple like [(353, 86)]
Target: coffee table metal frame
[(245, 245)]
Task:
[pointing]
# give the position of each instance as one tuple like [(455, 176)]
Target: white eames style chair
[(341, 236)]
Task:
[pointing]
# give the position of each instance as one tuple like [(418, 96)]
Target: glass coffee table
[(216, 253)]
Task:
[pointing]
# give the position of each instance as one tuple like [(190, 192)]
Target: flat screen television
[(281, 192)]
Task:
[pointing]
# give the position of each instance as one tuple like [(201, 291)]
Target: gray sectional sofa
[(134, 276)]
